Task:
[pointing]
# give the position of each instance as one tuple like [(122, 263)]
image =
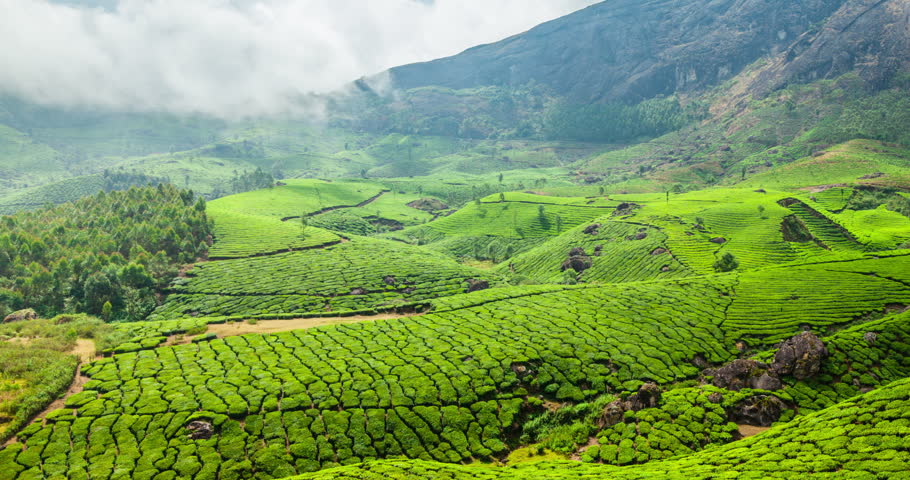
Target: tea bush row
[(619, 252), (458, 381), (360, 274), (864, 437), (770, 303), (238, 235)]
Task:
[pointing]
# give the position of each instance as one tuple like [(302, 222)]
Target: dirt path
[(750, 431), (339, 207), (85, 351), (276, 326)]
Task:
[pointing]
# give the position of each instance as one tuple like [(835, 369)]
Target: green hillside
[(863, 437), (356, 275), (25, 162), (448, 386), (646, 240)]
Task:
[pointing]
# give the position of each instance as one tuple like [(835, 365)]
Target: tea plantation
[(357, 275), (600, 329), (668, 236), (864, 437), (239, 235), (452, 386), (517, 221)]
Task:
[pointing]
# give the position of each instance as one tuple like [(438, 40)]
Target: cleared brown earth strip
[(751, 431), (339, 207), (276, 326)]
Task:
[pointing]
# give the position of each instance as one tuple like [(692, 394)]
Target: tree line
[(111, 254)]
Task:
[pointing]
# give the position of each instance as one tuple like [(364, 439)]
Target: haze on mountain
[(231, 59)]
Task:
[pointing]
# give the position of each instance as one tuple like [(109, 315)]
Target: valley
[(614, 246)]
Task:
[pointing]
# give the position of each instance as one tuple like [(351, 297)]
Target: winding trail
[(339, 207), (277, 326), (85, 351)]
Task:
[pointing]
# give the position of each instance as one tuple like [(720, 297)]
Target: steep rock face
[(628, 50), (871, 37)]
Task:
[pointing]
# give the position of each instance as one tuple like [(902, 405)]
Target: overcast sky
[(231, 58)]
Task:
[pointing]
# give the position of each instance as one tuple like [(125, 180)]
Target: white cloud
[(231, 58)]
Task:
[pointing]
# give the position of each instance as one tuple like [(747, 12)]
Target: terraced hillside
[(666, 236), (359, 274), (864, 437), (452, 386), (500, 225)]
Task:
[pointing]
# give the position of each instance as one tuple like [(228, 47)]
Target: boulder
[(200, 430), (767, 382), (741, 373), (578, 263), (648, 396), (578, 260), (21, 316), (592, 229), (870, 337), (760, 411), (800, 356), (475, 285), (613, 413), (577, 251)]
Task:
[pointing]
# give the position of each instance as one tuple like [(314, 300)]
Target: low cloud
[(234, 58)]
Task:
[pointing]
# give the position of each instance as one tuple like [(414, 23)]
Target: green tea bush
[(864, 437), (363, 273)]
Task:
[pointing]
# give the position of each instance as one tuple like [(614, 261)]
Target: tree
[(500, 178), (106, 311), (558, 223), (304, 224), (761, 211), (502, 197), (726, 263), (96, 292), (138, 304), (540, 211), (492, 250)]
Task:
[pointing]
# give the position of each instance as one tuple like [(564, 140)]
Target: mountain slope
[(629, 50)]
